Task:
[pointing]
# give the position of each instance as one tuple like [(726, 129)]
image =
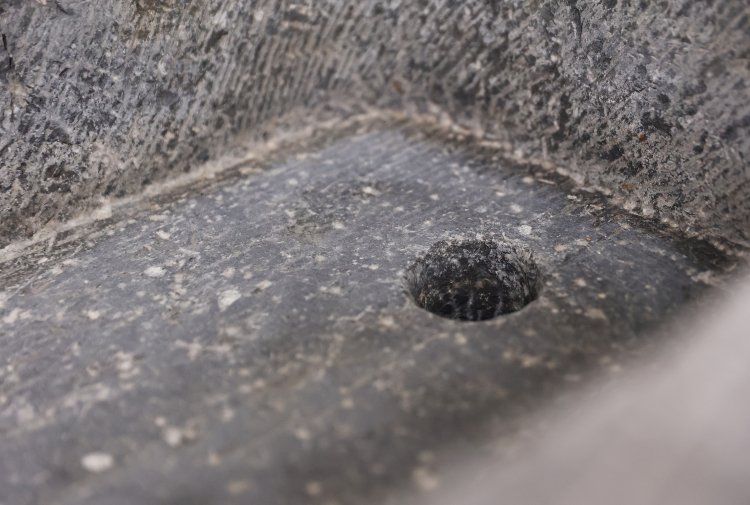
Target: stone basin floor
[(253, 341)]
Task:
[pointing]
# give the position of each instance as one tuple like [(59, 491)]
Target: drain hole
[(473, 279)]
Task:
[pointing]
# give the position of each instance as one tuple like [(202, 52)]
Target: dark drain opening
[(473, 279)]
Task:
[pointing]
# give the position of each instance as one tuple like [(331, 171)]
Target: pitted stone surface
[(253, 342)]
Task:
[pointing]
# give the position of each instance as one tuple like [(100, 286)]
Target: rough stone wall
[(107, 96), (647, 101)]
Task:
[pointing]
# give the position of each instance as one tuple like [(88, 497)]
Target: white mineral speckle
[(13, 316), (97, 462), (594, 313), (155, 272), (333, 290), (175, 436), (227, 298), (238, 487), (424, 479), (263, 285), (313, 488), (302, 434), (369, 190), (347, 403), (172, 436), (524, 229), (25, 414)]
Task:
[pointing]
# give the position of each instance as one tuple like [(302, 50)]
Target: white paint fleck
[(227, 298), (338, 225), (434, 197), (515, 208), (97, 462), (580, 282), (92, 314), (155, 272), (163, 235)]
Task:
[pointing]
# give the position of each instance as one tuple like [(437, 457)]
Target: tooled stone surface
[(106, 97), (646, 100)]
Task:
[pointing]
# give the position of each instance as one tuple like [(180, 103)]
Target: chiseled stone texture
[(108, 96), (647, 101)]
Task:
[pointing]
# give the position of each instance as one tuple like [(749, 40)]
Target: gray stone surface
[(647, 101), (253, 342)]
